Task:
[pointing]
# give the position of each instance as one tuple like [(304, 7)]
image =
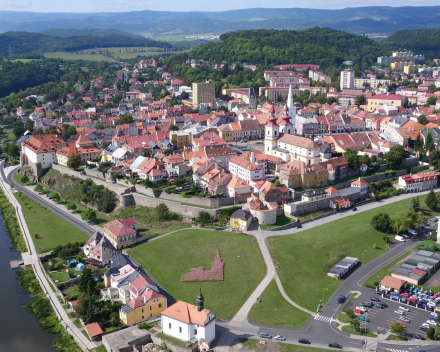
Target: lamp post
[(363, 256)]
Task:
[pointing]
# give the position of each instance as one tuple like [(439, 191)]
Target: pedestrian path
[(370, 346), (323, 318), (394, 350)]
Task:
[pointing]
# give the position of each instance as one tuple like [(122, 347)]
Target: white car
[(363, 309), (412, 232), (426, 325), (400, 312), (404, 309), (434, 314), (280, 338), (432, 322)]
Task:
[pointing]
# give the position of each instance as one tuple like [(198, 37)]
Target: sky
[(188, 5)]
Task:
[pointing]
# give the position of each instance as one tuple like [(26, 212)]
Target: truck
[(341, 299)]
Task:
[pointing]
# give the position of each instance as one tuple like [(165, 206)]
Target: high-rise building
[(347, 79), (203, 92)]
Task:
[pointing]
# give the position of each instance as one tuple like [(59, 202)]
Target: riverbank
[(11, 224)]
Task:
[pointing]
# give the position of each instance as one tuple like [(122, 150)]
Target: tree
[(38, 187), (425, 246), (162, 212), (173, 128), (99, 126), (71, 206), (397, 328), (86, 106), (353, 159), (434, 159), (430, 333), (56, 197), (355, 324), (429, 144), (420, 219), (422, 119), (184, 95), (24, 179), (83, 282), (381, 222), (89, 214), (28, 126), (203, 218), (74, 161), (401, 222), (395, 156), (360, 100), (431, 200), (13, 150), (365, 159), (223, 108), (418, 143), (415, 203)]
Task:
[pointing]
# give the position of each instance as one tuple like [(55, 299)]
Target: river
[(20, 330)]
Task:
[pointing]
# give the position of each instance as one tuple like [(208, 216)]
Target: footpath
[(32, 256)]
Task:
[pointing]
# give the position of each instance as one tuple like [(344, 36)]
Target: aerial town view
[(225, 177)]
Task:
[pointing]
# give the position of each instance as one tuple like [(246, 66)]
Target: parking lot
[(380, 319)]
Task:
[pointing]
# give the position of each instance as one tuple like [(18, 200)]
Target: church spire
[(290, 98), (200, 301)]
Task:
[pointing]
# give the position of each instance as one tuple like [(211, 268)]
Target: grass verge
[(273, 309), (11, 223), (382, 272), (65, 343), (171, 339), (396, 338), (350, 236), (349, 330), (281, 220), (170, 257), (52, 230)]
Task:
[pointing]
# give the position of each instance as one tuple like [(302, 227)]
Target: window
[(195, 331), (151, 307), (160, 305), (169, 325), (180, 329), (142, 310), (142, 317)]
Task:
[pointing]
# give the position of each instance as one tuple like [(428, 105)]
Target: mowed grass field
[(172, 256), (73, 56), (274, 310), (52, 230), (305, 258)]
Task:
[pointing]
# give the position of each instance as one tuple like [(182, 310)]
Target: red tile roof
[(119, 228), (94, 329)]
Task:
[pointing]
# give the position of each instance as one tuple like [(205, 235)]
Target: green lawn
[(349, 330), (343, 318), (273, 309), (53, 230), (304, 258), (18, 177), (281, 220), (314, 214), (11, 136), (384, 271), (170, 257), (71, 293), (171, 339), (62, 275), (99, 349), (396, 338), (72, 56)]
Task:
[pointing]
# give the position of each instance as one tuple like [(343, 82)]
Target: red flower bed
[(215, 274)]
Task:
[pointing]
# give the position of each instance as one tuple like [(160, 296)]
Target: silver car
[(404, 309), (400, 312)]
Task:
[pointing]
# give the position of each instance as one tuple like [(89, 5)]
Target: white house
[(246, 170), (187, 322)]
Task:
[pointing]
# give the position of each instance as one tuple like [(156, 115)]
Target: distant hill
[(359, 20), (75, 32), (25, 42), (323, 46), (420, 41)]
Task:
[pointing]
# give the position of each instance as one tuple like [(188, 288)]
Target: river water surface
[(20, 330)]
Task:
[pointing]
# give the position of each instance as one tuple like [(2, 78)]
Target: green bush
[(421, 245), (157, 192)]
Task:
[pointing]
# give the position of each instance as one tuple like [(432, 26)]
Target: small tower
[(271, 133), (285, 125), (200, 301), (252, 98), (292, 108)]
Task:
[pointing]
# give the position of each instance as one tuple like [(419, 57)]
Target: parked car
[(418, 336), (423, 328), (307, 342), (265, 335), (358, 311), (406, 295), (399, 238), (400, 312), (433, 323), (280, 338), (412, 232), (379, 291), (404, 309), (341, 299), (334, 345), (367, 304), (380, 306), (412, 299), (374, 299), (404, 319), (433, 220), (218, 229), (354, 208), (361, 317), (363, 309)]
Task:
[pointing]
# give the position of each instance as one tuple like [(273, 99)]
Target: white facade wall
[(46, 159), (232, 192), (309, 156), (186, 332)]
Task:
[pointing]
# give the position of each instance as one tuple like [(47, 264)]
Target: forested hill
[(25, 42), (323, 46), (420, 41), (75, 32)]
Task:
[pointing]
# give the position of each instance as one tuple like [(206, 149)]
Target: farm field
[(74, 56)]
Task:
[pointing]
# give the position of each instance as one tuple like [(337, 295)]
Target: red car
[(357, 311), (412, 299), (405, 295), (435, 295)]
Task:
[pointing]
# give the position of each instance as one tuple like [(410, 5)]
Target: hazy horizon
[(98, 6)]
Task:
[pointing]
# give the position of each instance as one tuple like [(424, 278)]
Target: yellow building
[(180, 139), (412, 68), (296, 174), (121, 233), (145, 302), (241, 219), (203, 92), (381, 99), (225, 132)]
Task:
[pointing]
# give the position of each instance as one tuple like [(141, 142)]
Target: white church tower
[(285, 124), (271, 133), (291, 108)]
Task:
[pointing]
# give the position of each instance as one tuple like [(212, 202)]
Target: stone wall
[(172, 346)]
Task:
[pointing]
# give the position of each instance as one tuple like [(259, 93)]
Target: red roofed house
[(82, 147), (94, 331), (121, 233), (39, 152), (145, 302), (417, 182)]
